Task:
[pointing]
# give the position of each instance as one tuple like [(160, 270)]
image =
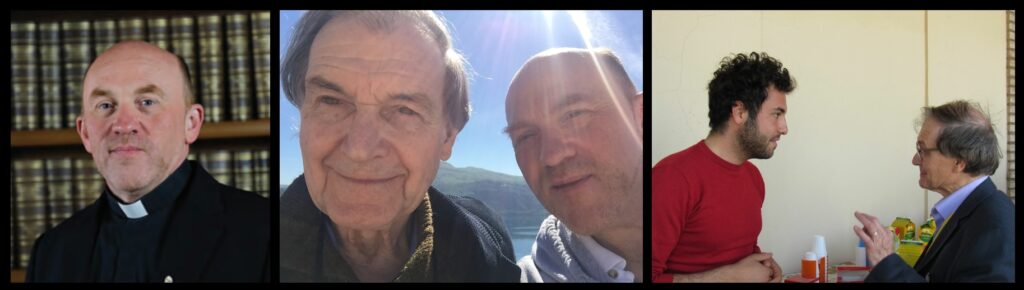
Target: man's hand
[(877, 239), (776, 270), (751, 269), (754, 268)]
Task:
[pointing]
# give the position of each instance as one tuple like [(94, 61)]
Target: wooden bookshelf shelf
[(222, 130), (226, 130), (17, 276), (23, 139)]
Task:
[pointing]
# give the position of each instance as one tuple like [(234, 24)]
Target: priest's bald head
[(138, 117)]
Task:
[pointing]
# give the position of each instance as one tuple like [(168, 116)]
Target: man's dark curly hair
[(744, 78)]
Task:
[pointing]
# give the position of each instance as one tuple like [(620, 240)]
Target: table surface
[(832, 275)]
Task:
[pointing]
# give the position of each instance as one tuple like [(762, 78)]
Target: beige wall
[(861, 79)]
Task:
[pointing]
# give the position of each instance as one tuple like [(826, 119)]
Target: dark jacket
[(975, 245), (215, 233), (471, 243)]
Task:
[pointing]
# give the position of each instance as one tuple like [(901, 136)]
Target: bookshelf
[(52, 176)]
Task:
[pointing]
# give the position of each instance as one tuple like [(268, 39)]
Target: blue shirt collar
[(947, 205)]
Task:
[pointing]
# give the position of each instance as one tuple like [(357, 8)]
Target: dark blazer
[(976, 245), (471, 243), (216, 233)]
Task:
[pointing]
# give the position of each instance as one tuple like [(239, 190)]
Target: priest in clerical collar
[(161, 218)]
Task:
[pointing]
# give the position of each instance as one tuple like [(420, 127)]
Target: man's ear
[(448, 143), (83, 133), (959, 166), (193, 122), (638, 112), (739, 113)]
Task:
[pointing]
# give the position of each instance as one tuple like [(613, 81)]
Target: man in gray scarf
[(576, 123)]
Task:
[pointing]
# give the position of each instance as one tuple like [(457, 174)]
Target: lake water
[(522, 240)]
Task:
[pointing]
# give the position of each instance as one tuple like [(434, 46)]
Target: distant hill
[(507, 195)]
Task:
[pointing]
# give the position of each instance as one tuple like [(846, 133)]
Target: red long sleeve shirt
[(706, 212)]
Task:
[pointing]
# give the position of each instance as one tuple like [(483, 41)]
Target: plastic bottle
[(819, 249), (809, 266), (860, 254)]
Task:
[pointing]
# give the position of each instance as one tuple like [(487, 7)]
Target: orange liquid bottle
[(809, 266), (823, 269)]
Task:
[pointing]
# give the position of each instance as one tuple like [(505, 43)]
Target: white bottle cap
[(819, 246), (810, 256)]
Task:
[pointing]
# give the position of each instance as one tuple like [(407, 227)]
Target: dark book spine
[(211, 66), (59, 185), (76, 60), (243, 168), (104, 35), (239, 62), (23, 76), (31, 203), (131, 29), (261, 59), (88, 182), (157, 32), (218, 164), (262, 172), (183, 43), (50, 69), (15, 251)]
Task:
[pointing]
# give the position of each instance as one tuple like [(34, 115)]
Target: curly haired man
[(706, 209)]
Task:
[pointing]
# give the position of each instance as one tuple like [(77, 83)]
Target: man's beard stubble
[(753, 143)]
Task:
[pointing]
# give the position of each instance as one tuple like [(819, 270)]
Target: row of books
[(45, 192), (248, 170), (228, 56)]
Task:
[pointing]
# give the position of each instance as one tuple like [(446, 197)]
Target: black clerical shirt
[(127, 247)]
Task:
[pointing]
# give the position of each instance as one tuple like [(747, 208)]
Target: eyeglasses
[(922, 151)]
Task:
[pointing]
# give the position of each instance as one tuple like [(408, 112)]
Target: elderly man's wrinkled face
[(578, 143), (373, 129), (134, 119), (937, 171)]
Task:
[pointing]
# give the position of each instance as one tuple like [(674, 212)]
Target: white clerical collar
[(133, 210)]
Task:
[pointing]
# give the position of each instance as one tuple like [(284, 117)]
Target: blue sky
[(496, 44)]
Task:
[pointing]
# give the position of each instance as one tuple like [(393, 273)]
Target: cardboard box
[(910, 251), (800, 279), (852, 274)]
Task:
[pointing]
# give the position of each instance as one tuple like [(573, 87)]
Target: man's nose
[(363, 140), (126, 121), (555, 149), (783, 126)]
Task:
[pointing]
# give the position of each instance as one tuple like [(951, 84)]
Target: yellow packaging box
[(928, 230), (910, 251), (905, 228)]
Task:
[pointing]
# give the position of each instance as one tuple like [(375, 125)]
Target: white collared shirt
[(612, 265)]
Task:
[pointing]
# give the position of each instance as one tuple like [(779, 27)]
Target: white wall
[(861, 83)]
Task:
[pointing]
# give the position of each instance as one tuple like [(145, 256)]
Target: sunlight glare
[(582, 22)]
